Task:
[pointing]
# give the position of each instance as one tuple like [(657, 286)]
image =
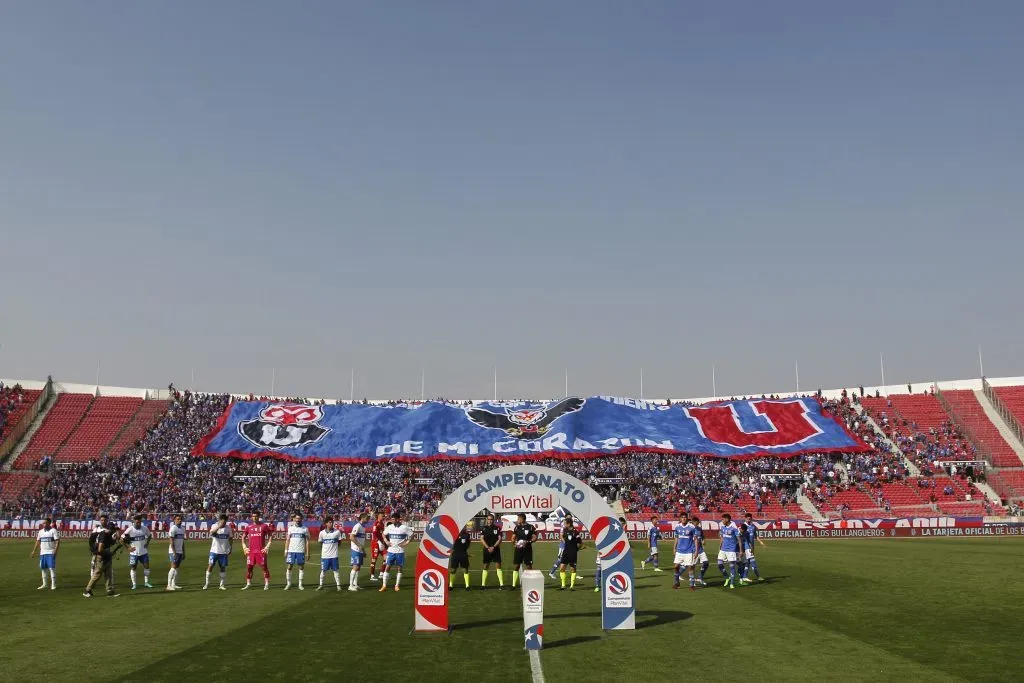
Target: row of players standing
[(735, 556)]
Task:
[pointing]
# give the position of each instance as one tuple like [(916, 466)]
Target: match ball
[(520, 544)]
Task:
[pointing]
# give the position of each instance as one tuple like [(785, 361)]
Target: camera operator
[(103, 545)]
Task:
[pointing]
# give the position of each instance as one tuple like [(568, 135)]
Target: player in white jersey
[(397, 536), (47, 543), (295, 551), (357, 545), (330, 539), (136, 538), (175, 551), (220, 548)]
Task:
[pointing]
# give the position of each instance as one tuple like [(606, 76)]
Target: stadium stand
[(1013, 399), (57, 426), (972, 416), (104, 420), (141, 422), (920, 427), (14, 403), (15, 485)]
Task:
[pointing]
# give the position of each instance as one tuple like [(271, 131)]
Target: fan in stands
[(117, 454)]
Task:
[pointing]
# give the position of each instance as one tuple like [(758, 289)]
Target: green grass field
[(889, 609)]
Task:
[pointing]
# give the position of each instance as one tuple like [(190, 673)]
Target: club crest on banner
[(525, 423), (284, 425)]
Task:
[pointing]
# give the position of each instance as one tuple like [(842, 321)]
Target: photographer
[(103, 545)]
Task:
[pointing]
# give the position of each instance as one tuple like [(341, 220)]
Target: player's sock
[(145, 576), (131, 573), (572, 579), (675, 580), (732, 571), (287, 576), (654, 561), (322, 574), (43, 573), (207, 578), (398, 579), (465, 578), (597, 578), (384, 579), (53, 578), (483, 578), (561, 577), (170, 577), (515, 577), (693, 579), (753, 565), (501, 578), (721, 568), (223, 576), (266, 574), (302, 575), (451, 580), (337, 578), (703, 569)]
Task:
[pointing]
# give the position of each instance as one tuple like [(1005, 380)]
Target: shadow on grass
[(565, 642), (644, 620)]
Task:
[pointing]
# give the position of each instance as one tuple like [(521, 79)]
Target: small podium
[(533, 608)]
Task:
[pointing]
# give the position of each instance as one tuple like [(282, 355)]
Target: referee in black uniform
[(524, 535), (490, 538), (570, 552), (460, 556)]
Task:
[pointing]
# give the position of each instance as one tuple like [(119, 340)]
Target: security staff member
[(460, 556), (490, 538), (524, 535), (102, 542)]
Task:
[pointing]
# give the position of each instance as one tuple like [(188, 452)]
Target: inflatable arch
[(524, 488)]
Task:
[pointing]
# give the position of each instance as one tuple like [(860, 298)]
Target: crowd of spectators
[(10, 397), (160, 475)]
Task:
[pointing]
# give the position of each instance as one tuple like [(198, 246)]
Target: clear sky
[(599, 186)]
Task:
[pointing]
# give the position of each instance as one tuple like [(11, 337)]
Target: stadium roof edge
[(915, 387)]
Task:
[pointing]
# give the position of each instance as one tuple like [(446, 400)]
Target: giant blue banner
[(569, 428)]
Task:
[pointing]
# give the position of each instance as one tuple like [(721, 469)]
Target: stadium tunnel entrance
[(514, 489)]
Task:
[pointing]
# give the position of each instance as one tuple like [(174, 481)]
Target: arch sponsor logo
[(533, 602), (618, 590), (431, 588)]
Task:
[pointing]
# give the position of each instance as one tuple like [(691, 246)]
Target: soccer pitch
[(843, 610)]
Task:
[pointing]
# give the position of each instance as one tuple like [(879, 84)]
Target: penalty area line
[(535, 668)]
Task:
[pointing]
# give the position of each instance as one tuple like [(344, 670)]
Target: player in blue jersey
[(702, 556), (686, 551), (729, 551), (566, 522), (750, 537), (653, 536)]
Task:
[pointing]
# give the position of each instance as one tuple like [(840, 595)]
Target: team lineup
[(387, 542)]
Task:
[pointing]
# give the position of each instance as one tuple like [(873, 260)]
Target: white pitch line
[(538, 673)]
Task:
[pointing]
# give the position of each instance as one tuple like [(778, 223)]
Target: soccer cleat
[(148, 584), (373, 578), (53, 588), (675, 586), (134, 587), (658, 570), (301, 587), (382, 589), (692, 587), (87, 594), (246, 587), (169, 589), (551, 575), (561, 588), (760, 579), (351, 589), (320, 587), (42, 588), (397, 589), (597, 589), (222, 587), (113, 595), (287, 586), (206, 587), (643, 564), (266, 586)]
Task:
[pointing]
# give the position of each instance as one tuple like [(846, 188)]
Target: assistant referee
[(490, 538)]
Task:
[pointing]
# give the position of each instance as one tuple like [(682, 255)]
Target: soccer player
[(460, 556), (175, 551), (653, 536), (256, 544), (295, 551), (730, 535), (686, 552), (137, 538), (220, 548), (561, 546), (378, 544), (398, 536), (47, 543), (702, 556), (524, 534), (330, 541), (572, 543), (357, 544), (750, 537), (490, 538)]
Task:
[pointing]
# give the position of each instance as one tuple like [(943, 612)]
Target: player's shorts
[(376, 551), (138, 559), (176, 558), (654, 550), (328, 564), (684, 560), (395, 560), (523, 555), (296, 558), (569, 558), (703, 557), (256, 559), (356, 558), (47, 561), (459, 562), (748, 555), (218, 559), (492, 556), (726, 556)]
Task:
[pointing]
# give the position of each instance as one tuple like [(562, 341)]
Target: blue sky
[(599, 186)]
